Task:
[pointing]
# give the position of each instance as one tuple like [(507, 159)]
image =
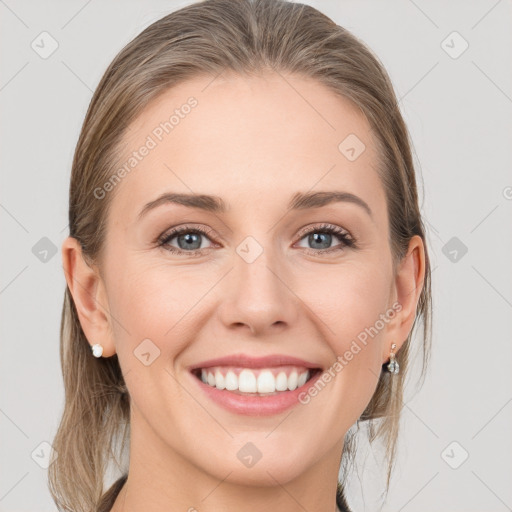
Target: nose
[(257, 296)]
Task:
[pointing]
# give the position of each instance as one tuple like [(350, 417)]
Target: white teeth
[(231, 381), (219, 380), (281, 382), (248, 382), (266, 382), (303, 377), (292, 381)]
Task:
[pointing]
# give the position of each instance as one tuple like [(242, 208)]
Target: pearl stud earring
[(97, 350)]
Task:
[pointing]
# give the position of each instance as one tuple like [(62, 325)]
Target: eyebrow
[(215, 204)]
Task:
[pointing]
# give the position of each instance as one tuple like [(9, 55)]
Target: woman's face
[(268, 280)]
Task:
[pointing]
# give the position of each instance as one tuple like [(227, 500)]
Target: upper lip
[(247, 361)]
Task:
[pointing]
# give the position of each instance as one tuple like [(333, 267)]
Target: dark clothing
[(341, 502), (110, 496), (108, 499)]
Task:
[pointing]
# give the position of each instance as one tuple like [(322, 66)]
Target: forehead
[(249, 140)]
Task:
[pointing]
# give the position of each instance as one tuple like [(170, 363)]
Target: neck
[(161, 479)]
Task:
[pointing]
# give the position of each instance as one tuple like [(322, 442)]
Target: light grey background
[(459, 114)]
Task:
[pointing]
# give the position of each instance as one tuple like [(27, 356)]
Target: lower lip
[(252, 405)]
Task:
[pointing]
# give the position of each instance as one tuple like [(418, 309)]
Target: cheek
[(150, 306), (155, 301), (350, 302), (365, 314), (349, 299)]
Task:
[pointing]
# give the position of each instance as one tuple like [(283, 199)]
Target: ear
[(89, 295), (406, 291)]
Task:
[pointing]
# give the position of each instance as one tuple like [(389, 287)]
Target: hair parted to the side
[(248, 37)]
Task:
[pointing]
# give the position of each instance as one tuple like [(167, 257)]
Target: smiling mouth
[(256, 381)]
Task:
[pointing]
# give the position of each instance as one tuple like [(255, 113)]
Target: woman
[(245, 266)]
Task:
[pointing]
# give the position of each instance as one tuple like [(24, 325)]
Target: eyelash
[(346, 239)]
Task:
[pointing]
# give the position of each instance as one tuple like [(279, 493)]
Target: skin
[(255, 142)]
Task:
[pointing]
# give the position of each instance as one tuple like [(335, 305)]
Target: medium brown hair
[(245, 37)]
